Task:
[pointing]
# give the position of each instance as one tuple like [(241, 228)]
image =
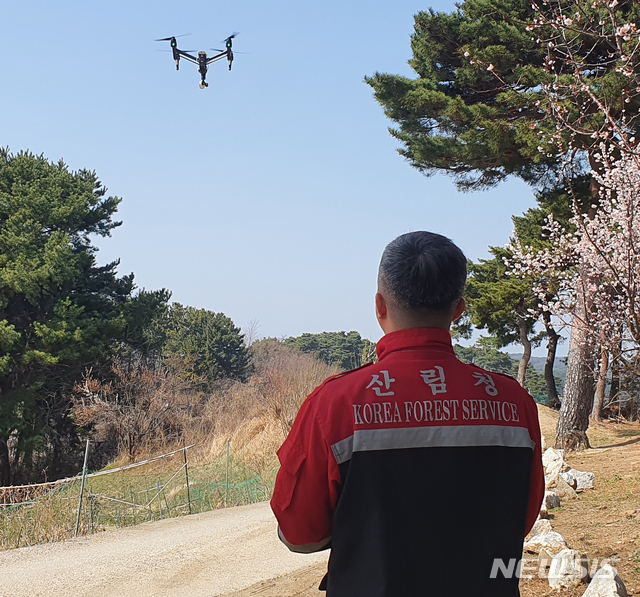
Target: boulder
[(554, 464), (541, 527), (543, 443), (551, 500), (569, 568), (578, 480), (606, 583), (551, 542), (562, 489), (569, 479), (544, 513), (553, 455), (544, 559)]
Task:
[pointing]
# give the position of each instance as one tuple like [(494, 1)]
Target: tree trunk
[(526, 355), (56, 460), (571, 433), (5, 465), (615, 381), (598, 400), (552, 345)]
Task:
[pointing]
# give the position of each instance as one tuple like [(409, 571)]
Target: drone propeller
[(218, 50), (228, 41), (172, 37), (180, 50)]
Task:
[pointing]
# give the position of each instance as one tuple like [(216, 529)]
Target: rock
[(543, 443), (551, 542), (554, 464), (544, 559), (606, 583), (551, 500), (578, 480), (558, 484), (569, 479), (562, 489), (541, 527), (551, 456), (568, 569)]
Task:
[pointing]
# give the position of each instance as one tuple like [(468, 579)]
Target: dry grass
[(154, 412), (256, 442), (49, 518)]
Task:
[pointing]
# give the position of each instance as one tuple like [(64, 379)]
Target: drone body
[(202, 61)]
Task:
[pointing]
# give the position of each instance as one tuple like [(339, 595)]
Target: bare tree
[(137, 407)]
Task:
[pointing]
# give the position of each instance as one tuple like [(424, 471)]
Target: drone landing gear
[(203, 84)]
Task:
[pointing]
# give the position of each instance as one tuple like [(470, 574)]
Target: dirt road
[(205, 555)]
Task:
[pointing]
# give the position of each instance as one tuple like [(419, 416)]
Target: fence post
[(186, 474), (91, 500), (84, 474), (226, 478), (159, 500)]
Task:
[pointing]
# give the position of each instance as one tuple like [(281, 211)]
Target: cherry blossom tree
[(593, 93), (597, 266)]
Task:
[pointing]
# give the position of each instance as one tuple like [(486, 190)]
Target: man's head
[(420, 282)]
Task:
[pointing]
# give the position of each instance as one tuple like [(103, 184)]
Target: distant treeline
[(347, 350)]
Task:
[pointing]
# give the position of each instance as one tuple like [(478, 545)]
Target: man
[(421, 473)]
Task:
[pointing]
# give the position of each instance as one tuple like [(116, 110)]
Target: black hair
[(423, 271)]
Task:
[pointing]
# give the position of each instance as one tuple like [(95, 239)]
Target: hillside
[(559, 366), (538, 363)]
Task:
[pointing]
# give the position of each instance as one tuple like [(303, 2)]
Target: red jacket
[(401, 463)]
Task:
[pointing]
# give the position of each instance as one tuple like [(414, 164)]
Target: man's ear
[(382, 311), (459, 310)]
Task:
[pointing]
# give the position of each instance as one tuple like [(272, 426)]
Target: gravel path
[(203, 555)]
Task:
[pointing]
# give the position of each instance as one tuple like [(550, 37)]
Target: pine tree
[(500, 304), (207, 346), (60, 312)]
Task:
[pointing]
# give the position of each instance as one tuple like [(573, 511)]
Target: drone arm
[(217, 57), (188, 57)]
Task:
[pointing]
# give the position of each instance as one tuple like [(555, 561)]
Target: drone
[(201, 60)]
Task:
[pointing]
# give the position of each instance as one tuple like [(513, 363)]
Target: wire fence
[(162, 487)]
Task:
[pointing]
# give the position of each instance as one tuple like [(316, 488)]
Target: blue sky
[(268, 196)]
